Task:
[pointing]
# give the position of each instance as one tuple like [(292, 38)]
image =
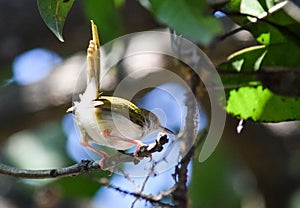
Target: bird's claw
[(102, 165), (142, 151)]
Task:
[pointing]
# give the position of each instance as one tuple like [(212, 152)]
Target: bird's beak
[(167, 130)]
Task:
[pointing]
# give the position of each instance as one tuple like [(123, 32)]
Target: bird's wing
[(120, 106)]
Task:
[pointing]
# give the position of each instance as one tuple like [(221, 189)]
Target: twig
[(128, 178), (85, 166), (262, 17), (180, 175), (186, 138), (143, 186), (148, 198)]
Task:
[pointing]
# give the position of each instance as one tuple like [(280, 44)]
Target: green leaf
[(81, 186), (281, 42), (283, 54), (186, 18), (251, 7), (211, 184), (236, 80), (268, 34), (264, 38), (107, 16), (253, 58), (54, 13), (278, 32), (260, 104), (246, 60), (278, 24)]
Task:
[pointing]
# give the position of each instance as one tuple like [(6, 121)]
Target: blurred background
[(260, 167)]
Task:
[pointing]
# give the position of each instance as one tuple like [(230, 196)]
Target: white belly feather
[(119, 125)]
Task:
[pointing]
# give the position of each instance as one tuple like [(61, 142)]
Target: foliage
[(278, 41), (54, 13), (212, 183), (274, 30), (184, 17), (261, 104), (104, 12), (254, 87)]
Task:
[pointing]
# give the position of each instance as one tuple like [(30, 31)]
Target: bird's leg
[(85, 142), (107, 133)]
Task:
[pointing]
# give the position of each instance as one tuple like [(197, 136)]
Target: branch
[(87, 166), (262, 17), (180, 175), (148, 198)]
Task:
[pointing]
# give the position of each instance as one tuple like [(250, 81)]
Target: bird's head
[(152, 123)]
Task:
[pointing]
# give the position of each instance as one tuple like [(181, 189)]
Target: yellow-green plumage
[(121, 106)]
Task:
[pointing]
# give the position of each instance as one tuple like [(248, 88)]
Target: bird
[(110, 121)]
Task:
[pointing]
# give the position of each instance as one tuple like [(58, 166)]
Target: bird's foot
[(142, 151), (104, 155)]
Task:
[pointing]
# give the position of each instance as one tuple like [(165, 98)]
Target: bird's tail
[(93, 59)]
